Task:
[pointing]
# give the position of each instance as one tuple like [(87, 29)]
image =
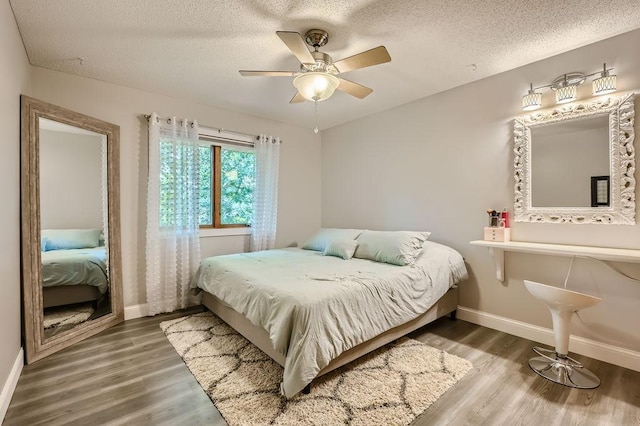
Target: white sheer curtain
[(265, 195), (173, 246)]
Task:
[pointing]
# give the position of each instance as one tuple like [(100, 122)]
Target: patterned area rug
[(390, 386), (67, 315)]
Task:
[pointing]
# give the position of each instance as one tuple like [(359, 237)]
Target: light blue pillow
[(66, 239), (321, 239), (341, 248), (43, 244), (393, 247)]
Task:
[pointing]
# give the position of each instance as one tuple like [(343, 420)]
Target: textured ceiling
[(193, 49)]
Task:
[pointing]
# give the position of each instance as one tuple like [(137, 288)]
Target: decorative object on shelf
[(565, 87), (504, 216), (613, 117), (497, 234), (498, 229), (493, 218)]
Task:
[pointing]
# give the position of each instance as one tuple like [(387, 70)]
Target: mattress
[(74, 267), (315, 307)]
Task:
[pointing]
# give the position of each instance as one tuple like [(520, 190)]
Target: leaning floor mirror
[(71, 276)]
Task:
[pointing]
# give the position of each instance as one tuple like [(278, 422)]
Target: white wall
[(299, 187), (438, 163), (70, 180), (14, 80)]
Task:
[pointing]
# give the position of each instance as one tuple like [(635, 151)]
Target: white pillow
[(321, 239), (341, 248), (394, 247)]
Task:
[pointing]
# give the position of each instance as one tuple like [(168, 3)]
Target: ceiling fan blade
[(354, 89), (267, 73), (297, 45), (375, 56), (297, 98)]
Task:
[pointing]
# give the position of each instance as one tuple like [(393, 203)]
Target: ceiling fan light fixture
[(316, 86)]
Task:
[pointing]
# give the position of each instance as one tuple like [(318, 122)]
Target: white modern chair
[(556, 365)]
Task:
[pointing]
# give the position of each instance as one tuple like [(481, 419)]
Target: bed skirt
[(259, 337), (69, 294)]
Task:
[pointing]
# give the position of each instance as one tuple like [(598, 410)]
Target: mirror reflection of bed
[(73, 215)]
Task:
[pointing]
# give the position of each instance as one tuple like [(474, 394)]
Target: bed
[(313, 313), (74, 276)]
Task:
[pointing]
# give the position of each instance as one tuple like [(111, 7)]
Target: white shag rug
[(390, 386), (67, 315)]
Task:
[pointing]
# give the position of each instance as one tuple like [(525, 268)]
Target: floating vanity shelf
[(497, 249)]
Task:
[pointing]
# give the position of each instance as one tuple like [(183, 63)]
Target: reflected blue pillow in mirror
[(66, 239)]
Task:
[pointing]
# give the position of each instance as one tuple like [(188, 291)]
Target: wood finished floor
[(131, 375)]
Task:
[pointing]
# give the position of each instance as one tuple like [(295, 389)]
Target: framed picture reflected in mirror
[(600, 191)]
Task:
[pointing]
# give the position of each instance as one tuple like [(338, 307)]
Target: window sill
[(223, 232)]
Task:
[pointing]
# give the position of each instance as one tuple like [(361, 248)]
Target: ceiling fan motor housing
[(316, 38), (322, 58)]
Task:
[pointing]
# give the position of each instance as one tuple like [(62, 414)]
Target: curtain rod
[(148, 116)]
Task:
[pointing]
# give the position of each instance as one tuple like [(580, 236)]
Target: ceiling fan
[(317, 78)]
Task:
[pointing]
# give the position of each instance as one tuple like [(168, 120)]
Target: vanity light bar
[(566, 86)]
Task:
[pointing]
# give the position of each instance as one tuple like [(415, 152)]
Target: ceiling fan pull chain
[(315, 129)]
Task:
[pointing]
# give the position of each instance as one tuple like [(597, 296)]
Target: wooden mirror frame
[(622, 208), (36, 345)]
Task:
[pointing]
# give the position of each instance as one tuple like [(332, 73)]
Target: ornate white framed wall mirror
[(576, 163), (70, 200)]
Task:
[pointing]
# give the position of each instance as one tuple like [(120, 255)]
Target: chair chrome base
[(562, 369)]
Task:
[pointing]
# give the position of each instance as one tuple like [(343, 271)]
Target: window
[(227, 179)]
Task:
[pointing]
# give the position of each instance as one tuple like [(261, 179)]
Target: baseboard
[(136, 311), (10, 384), (601, 351)]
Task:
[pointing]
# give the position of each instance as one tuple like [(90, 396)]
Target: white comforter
[(315, 307)]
